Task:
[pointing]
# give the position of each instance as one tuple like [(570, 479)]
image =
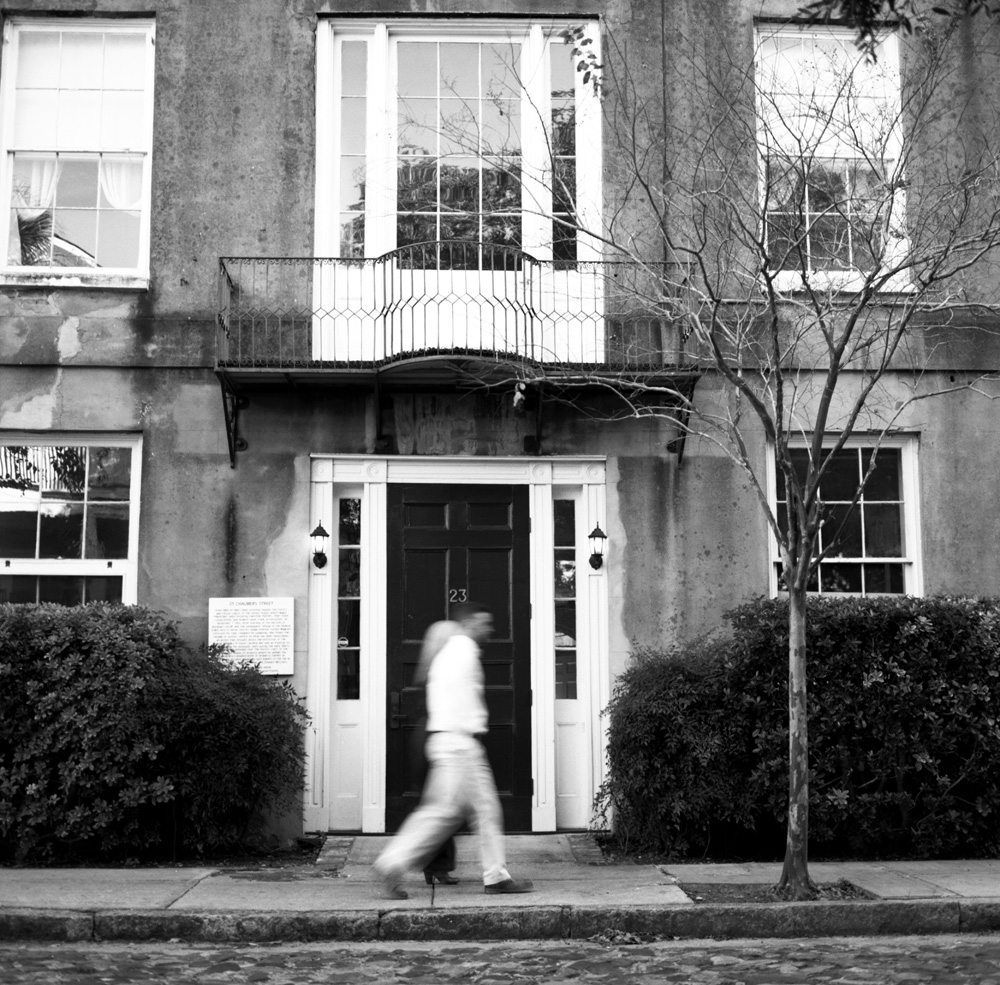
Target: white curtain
[(34, 192), (121, 182)]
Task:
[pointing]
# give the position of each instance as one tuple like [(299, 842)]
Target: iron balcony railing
[(446, 298)]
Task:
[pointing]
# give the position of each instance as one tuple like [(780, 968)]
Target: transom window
[(829, 138), (68, 519), (459, 143), (77, 135), (872, 547)]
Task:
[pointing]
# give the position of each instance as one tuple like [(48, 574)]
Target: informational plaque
[(256, 630)]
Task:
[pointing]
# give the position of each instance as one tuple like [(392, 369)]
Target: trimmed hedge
[(904, 733), (116, 742)]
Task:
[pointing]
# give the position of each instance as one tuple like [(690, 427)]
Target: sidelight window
[(564, 571), (349, 600)]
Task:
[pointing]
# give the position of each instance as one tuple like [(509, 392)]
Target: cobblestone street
[(847, 961)]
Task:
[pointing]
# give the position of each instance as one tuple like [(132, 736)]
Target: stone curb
[(45, 925), (735, 920)]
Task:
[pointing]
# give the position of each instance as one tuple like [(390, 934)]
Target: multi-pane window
[(823, 214), (68, 521), (458, 167), (564, 574), (828, 132), (467, 141), (349, 601), (77, 134), (869, 546)]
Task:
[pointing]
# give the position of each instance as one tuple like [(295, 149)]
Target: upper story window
[(69, 518), (872, 547), (830, 149), (76, 99), (462, 135)]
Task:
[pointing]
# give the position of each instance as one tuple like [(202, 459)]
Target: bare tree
[(818, 215)]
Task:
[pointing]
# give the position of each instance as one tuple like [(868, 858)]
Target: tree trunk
[(795, 882)]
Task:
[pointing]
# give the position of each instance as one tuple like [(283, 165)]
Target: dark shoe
[(441, 878), (510, 886)]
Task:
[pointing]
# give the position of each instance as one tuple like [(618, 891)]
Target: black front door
[(448, 544)]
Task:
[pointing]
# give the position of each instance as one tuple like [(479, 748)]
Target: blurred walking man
[(460, 784)]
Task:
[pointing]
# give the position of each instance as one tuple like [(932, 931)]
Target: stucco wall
[(233, 174)]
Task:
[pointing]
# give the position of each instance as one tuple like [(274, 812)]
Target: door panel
[(447, 544)]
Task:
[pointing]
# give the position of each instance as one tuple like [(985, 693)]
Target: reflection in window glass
[(110, 473), (60, 530), (855, 535), (565, 522), (459, 151), (828, 129), (563, 154), (350, 521), (78, 146), (349, 601), (66, 515), (64, 501), (60, 590), (353, 129), (565, 595), (107, 531)]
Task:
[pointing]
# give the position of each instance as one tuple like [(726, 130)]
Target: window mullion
[(381, 145)]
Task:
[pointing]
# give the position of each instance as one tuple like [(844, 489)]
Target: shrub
[(115, 741), (904, 721), (77, 759), (234, 751), (677, 761), (904, 731)]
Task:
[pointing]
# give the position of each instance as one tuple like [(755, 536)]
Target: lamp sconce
[(598, 540), (319, 536)]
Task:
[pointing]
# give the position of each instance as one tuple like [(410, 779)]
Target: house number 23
[(458, 595)]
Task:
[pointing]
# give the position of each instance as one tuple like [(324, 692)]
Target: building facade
[(284, 269)]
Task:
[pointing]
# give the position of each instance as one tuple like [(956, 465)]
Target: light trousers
[(459, 787)]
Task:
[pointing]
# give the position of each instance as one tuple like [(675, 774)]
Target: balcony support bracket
[(232, 403)]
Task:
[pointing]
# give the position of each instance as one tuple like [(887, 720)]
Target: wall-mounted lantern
[(319, 537), (598, 540)]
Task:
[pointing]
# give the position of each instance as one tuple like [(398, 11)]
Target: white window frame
[(911, 561), (126, 568), (769, 138), (82, 276), (380, 200)]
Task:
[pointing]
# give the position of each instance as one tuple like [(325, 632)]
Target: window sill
[(836, 282), (102, 280)]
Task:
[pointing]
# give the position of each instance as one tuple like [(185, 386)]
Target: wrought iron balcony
[(420, 310)]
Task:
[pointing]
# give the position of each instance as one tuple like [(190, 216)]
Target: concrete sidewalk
[(576, 895)]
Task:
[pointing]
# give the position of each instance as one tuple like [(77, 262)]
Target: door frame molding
[(368, 476)]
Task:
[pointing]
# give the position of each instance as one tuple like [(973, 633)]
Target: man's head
[(475, 619)]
